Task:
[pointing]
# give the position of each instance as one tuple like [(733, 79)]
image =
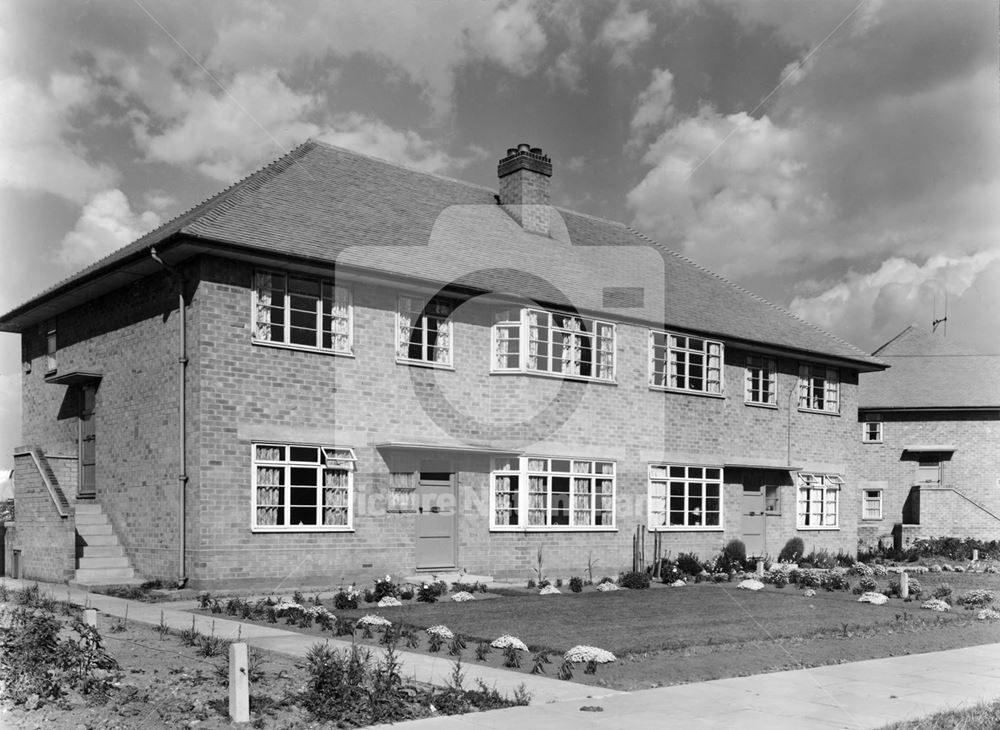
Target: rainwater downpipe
[(182, 362)]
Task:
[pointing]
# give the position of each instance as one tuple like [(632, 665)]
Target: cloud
[(654, 106), (37, 138), (868, 308), (10, 415), (512, 37), (623, 32), (106, 224)]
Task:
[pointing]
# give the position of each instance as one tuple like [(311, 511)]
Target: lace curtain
[(335, 493), (262, 321), (571, 346), (268, 493), (443, 352), (533, 335), (537, 500), (505, 490), (606, 351), (582, 514), (340, 319)]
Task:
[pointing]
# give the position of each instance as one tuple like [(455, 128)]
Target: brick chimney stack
[(524, 187)]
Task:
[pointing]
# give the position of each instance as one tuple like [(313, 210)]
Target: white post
[(90, 617), (760, 568), (975, 555), (239, 686), (904, 585)]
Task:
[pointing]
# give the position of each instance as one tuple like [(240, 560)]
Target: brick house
[(930, 442), (340, 367)]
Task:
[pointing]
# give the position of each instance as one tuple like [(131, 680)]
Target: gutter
[(182, 361)]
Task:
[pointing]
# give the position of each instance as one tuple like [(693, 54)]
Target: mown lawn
[(658, 618)]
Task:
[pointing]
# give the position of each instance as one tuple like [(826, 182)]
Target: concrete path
[(420, 667), (857, 695)]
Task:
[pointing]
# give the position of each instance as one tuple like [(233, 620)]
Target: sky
[(839, 158)]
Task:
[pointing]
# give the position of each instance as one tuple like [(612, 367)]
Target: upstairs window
[(819, 389), (424, 331), (553, 343), (552, 494), (761, 386), (50, 349), (679, 362), (685, 497), (302, 488), (819, 501), (871, 432), (302, 312)]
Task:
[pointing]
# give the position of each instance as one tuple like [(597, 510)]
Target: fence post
[(975, 555), (90, 617), (239, 686), (760, 568), (904, 585)]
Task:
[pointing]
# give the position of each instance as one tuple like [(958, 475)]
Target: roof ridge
[(391, 163), (749, 293), (589, 216), (884, 345)]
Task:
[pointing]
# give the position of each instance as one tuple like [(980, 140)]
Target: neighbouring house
[(340, 367), (930, 442)]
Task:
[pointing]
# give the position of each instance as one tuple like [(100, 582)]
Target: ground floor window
[(871, 507), (685, 497), (302, 488), (536, 493), (819, 500)]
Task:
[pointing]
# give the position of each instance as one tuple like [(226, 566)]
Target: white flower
[(549, 590), (988, 614), (809, 593), (507, 640), (608, 587), (935, 604), (589, 654), (462, 596), (678, 583), (318, 611), (443, 631), (388, 602), (750, 584), (283, 605), (876, 599), (373, 619), (388, 579)]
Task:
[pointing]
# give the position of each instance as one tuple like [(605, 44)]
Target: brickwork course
[(384, 231)]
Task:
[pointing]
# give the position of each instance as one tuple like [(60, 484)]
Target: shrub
[(976, 598), (868, 585), (793, 550), (458, 587), (430, 592), (689, 564), (383, 587), (634, 580), (606, 579), (669, 572), (821, 559), (345, 599), (576, 584), (915, 589), (736, 553), (776, 577), (943, 592), (835, 582)]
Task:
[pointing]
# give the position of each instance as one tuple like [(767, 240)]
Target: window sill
[(424, 364), (872, 442), (753, 404), (800, 528), (683, 391), (301, 348), (819, 412), (548, 528), (871, 519), (687, 529), (555, 376), (300, 529)]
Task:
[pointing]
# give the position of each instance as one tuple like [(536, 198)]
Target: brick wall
[(253, 392), (973, 470), (46, 540)]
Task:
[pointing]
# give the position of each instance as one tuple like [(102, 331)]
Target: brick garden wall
[(973, 469), (46, 540)]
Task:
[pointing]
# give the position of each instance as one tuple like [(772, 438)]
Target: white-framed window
[(685, 497), (679, 362), (819, 389), (537, 493), (302, 312), (871, 432), (871, 504), (301, 488), (819, 501), (553, 343), (761, 383), (51, 346), (424, 331), (772, 499)]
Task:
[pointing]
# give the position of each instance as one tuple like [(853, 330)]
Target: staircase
[(100, 559)]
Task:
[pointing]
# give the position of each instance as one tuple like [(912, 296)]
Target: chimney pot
[(511, 151), (524, 147), (536, 150)]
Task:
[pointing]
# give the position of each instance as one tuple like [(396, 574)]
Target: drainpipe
[(182, 362)]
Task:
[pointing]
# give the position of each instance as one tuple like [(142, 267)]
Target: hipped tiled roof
[(332, 206), (929, 371)]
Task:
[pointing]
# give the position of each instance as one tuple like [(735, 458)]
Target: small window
[(819, 501), (761, 386), (402, 492), (679, 362), (871, 432), (424, 331), (683, 498), (299, 488), (871, 508), (819, 389), (772, 499), (50, 349)]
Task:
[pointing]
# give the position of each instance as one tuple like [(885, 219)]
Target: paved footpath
[(857, 695)]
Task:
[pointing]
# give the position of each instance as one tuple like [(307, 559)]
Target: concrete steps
[(100, 558)]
